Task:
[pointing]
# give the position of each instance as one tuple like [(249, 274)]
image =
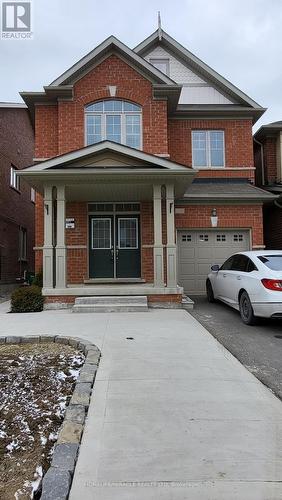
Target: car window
[(273, 262), (240, 263), (251, 266), (226, 266)]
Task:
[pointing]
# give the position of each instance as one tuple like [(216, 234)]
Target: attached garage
[(198, 250)]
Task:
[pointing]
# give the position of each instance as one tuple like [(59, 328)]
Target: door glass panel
[(101, 233), (127, 233)]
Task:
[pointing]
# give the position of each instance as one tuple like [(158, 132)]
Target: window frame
[(32, 195), (158, 60), (208, 149), (122, 114), (22, 244), (14, 179)]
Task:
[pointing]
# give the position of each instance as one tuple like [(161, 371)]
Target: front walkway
[(173, 415)]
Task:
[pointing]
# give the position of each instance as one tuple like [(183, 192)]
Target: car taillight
[(272, 284)]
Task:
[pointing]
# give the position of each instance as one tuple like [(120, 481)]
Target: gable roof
[(194, 62), (110, 44), (68, 160)]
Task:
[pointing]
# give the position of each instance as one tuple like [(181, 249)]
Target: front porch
[(108, 224)]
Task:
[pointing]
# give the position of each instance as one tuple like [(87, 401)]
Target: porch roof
[(108, 171)]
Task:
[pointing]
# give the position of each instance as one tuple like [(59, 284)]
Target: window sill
[(209, 168)]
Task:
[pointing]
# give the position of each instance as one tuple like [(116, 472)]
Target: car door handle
[(224, 275), (238, 277)]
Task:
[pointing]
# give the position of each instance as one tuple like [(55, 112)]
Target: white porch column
[(61, 245), (48, 249), (171, 246), (158, 244)]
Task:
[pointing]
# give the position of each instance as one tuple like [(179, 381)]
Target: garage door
[(198, 250)]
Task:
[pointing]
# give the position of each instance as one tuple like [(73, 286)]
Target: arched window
[(113, 120)]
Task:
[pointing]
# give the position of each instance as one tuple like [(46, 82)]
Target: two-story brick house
[(144, 173), (16, 197), (268, 163)]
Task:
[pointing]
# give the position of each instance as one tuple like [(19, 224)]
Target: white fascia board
[(112, 40)]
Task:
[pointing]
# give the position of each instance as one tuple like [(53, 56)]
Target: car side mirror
[(215, 268)]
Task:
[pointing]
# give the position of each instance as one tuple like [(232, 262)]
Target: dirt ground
[(36, 382)]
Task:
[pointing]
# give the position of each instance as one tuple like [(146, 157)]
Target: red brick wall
[(273, 227), (270, 165), (238, 144), (46, 131), (77, 266), (16, 207), (248, 216), (62, 130)]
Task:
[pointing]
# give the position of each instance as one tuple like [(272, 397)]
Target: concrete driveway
[(258, 347), (173, 415)]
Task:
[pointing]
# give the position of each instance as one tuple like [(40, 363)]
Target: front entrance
[(114, 246)]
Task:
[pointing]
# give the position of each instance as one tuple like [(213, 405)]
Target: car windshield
[(273, 262)]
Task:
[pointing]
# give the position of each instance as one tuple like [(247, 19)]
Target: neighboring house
[(16, 196), (144, 173), (268, 162)]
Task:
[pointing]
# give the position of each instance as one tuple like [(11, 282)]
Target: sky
[(239, 39)]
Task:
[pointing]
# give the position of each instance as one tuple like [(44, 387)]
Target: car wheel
[(246, 310), (210, 295)]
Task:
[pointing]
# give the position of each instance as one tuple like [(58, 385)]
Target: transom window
[(208, 148), (113, 120)]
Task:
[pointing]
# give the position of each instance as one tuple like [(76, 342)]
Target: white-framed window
[(22, 243), (208, 149), (14, 179), (161, 64), (114, 120), (32, 195)]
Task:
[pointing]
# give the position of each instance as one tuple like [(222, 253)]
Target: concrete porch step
[(110, 304)]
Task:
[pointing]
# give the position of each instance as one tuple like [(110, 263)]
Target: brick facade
[(60, 129), (16, 207), (269, 159)]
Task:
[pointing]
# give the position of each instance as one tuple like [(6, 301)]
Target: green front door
[(101, 241), (114, 246)]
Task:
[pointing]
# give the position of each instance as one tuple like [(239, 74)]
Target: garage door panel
[(199, 250), (187, 253)]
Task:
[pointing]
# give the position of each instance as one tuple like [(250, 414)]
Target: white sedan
[(250, 282)]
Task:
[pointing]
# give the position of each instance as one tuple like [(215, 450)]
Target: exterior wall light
[(214, 217)]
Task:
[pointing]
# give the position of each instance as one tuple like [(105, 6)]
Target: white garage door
[(198, 250)]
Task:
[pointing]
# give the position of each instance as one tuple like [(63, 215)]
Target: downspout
[(262, 160)]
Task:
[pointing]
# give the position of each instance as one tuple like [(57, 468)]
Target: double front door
[(114, 246)]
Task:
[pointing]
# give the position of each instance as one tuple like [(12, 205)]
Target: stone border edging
[(56, 483)]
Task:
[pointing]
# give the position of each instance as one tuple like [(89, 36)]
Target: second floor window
[(14, 179), (207, 148), (113, 120)]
